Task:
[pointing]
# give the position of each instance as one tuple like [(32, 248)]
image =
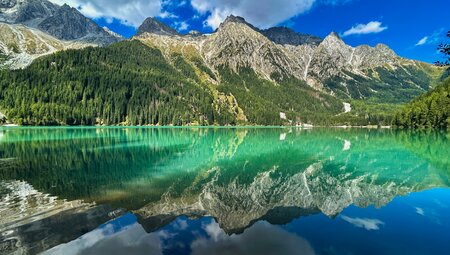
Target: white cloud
[(368, 224), (420, 211), (422, 41), (181, 26), (372, 27), (129, 12), (261, 13), (105, 240), (261, 238), (431, 39)]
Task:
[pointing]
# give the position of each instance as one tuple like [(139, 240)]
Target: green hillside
[(431, 110), (129, 83)]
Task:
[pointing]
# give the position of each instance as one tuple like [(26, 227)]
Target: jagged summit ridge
[(7, 3), (69, 24), (26, 11), (281, 52), (62, 22), (285, 35), (154, 26), (237, 20), (33, 28)]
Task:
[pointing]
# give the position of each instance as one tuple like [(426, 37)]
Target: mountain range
[(280, 53), (32, 28), (272, 76)]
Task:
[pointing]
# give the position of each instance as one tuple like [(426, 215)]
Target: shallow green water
[(55, 178)]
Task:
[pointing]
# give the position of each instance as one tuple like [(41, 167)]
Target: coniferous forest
[(129, 83), (431, 110), (124, 83)]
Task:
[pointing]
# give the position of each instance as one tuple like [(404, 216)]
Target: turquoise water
[(223, 191)]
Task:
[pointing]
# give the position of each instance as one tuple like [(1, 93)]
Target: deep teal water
[(223, 191)]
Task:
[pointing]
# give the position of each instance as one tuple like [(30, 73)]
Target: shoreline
[(244, 126)]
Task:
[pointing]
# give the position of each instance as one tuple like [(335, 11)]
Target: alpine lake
[(280, 190)]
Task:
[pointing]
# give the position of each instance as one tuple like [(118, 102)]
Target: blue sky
[(411, 28)]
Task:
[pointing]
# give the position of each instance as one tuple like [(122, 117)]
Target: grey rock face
[(69, 24), (62, 22), (7, 3), (154, 26), (330, 57), (284, 35), (281, 52), (26, 11), (35, 9), (33, 28), (236, 45), (237, 20)]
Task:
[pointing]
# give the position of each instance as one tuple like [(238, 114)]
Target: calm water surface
[(223, 191)]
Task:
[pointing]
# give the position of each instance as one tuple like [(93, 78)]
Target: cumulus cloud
[(372, 27), (368, 224), (130, 240), (261, 13), (129, 12), (181, 26), (261, 238)]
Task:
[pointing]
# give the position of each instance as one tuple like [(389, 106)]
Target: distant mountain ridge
[(63, 22), (240, 74), (62, 25), (325, 64), (285, 35)]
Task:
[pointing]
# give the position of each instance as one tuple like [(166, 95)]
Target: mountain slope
[(284, 35), (20, 45), (349, 73), (431, 110), (130, 83), (238, 75), (33, 28), (28, 12), (68, 23), (62, 22)]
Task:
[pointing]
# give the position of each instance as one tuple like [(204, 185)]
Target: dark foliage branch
[(444, 48)]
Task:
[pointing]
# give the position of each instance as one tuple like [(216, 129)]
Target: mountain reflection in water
[(231, 186)]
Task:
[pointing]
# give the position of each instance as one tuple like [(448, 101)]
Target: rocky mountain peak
[(333, 37), (26, 11), (154, 26), (66, 6), (285, 35), (7, 3), (385, 49), (333, 42), (67, 23), (236, 20)]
